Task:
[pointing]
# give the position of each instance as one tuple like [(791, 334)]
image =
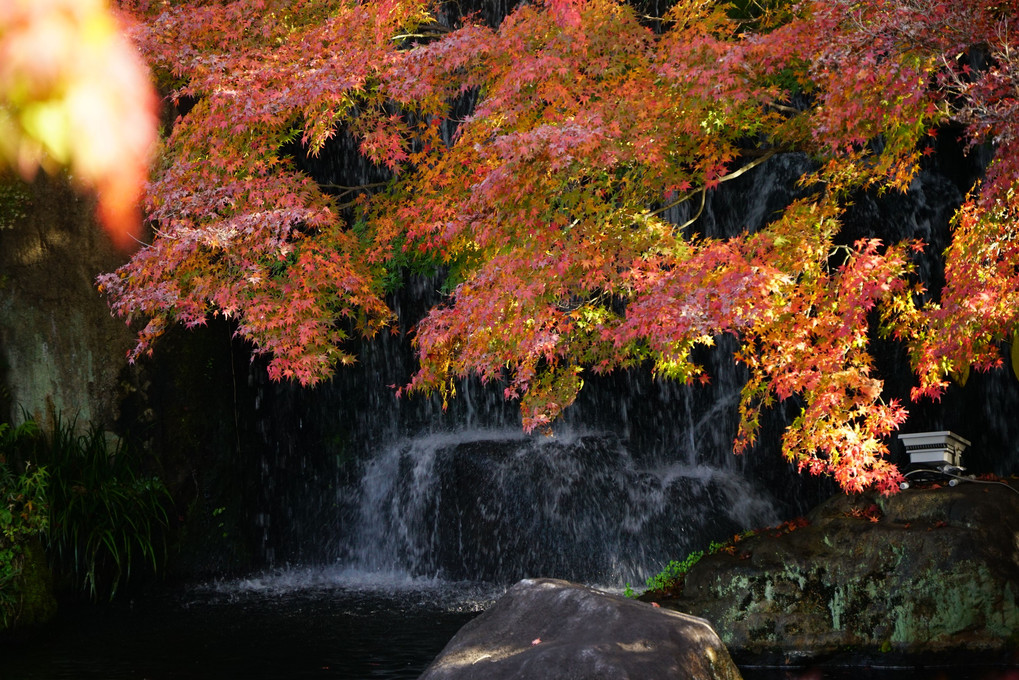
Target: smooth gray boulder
[(546, 628)]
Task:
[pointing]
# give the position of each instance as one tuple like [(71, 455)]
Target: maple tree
[(537, 161)]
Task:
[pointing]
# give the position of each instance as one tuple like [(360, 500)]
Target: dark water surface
[(304, 624), (292, 625)]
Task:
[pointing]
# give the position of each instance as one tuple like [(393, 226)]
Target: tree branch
[(373, 185), (433, 30), (724, 178)]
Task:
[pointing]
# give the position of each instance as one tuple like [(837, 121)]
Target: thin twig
[(704, 196), (724, 178), (431, 31), (782, 108), (373, 185)]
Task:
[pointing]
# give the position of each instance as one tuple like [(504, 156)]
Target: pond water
[(303, 624), (298, 624)]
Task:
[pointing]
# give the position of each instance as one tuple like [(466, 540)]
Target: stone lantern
[(935, 449)]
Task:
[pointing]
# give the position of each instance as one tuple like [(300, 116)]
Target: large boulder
[(554, 629), (922, 575)]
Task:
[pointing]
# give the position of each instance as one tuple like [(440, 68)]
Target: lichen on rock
[(926, 573)]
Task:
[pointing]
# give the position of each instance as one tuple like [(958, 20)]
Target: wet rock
[(581, 509), (925, 574), (554, 629)]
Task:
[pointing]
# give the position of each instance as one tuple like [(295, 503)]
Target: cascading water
[(641, 471), (496, 505)]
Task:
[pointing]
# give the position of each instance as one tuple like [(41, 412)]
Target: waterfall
[(639, 472), (497, 505)]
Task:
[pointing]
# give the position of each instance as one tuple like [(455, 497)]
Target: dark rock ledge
[(927, 576)]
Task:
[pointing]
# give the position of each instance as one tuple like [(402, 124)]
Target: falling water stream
[(498, 506)]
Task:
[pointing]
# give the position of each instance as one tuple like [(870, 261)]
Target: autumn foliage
[(75, 94), (537, 161)]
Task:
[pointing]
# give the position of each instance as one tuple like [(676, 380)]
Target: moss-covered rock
[(34, 602), (925, 573)]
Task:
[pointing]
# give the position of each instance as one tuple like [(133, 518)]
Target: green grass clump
[(675, 571), (107, 517)]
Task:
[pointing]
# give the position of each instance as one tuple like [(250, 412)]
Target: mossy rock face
[(927, 573), (36, 602), (61, 350)]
